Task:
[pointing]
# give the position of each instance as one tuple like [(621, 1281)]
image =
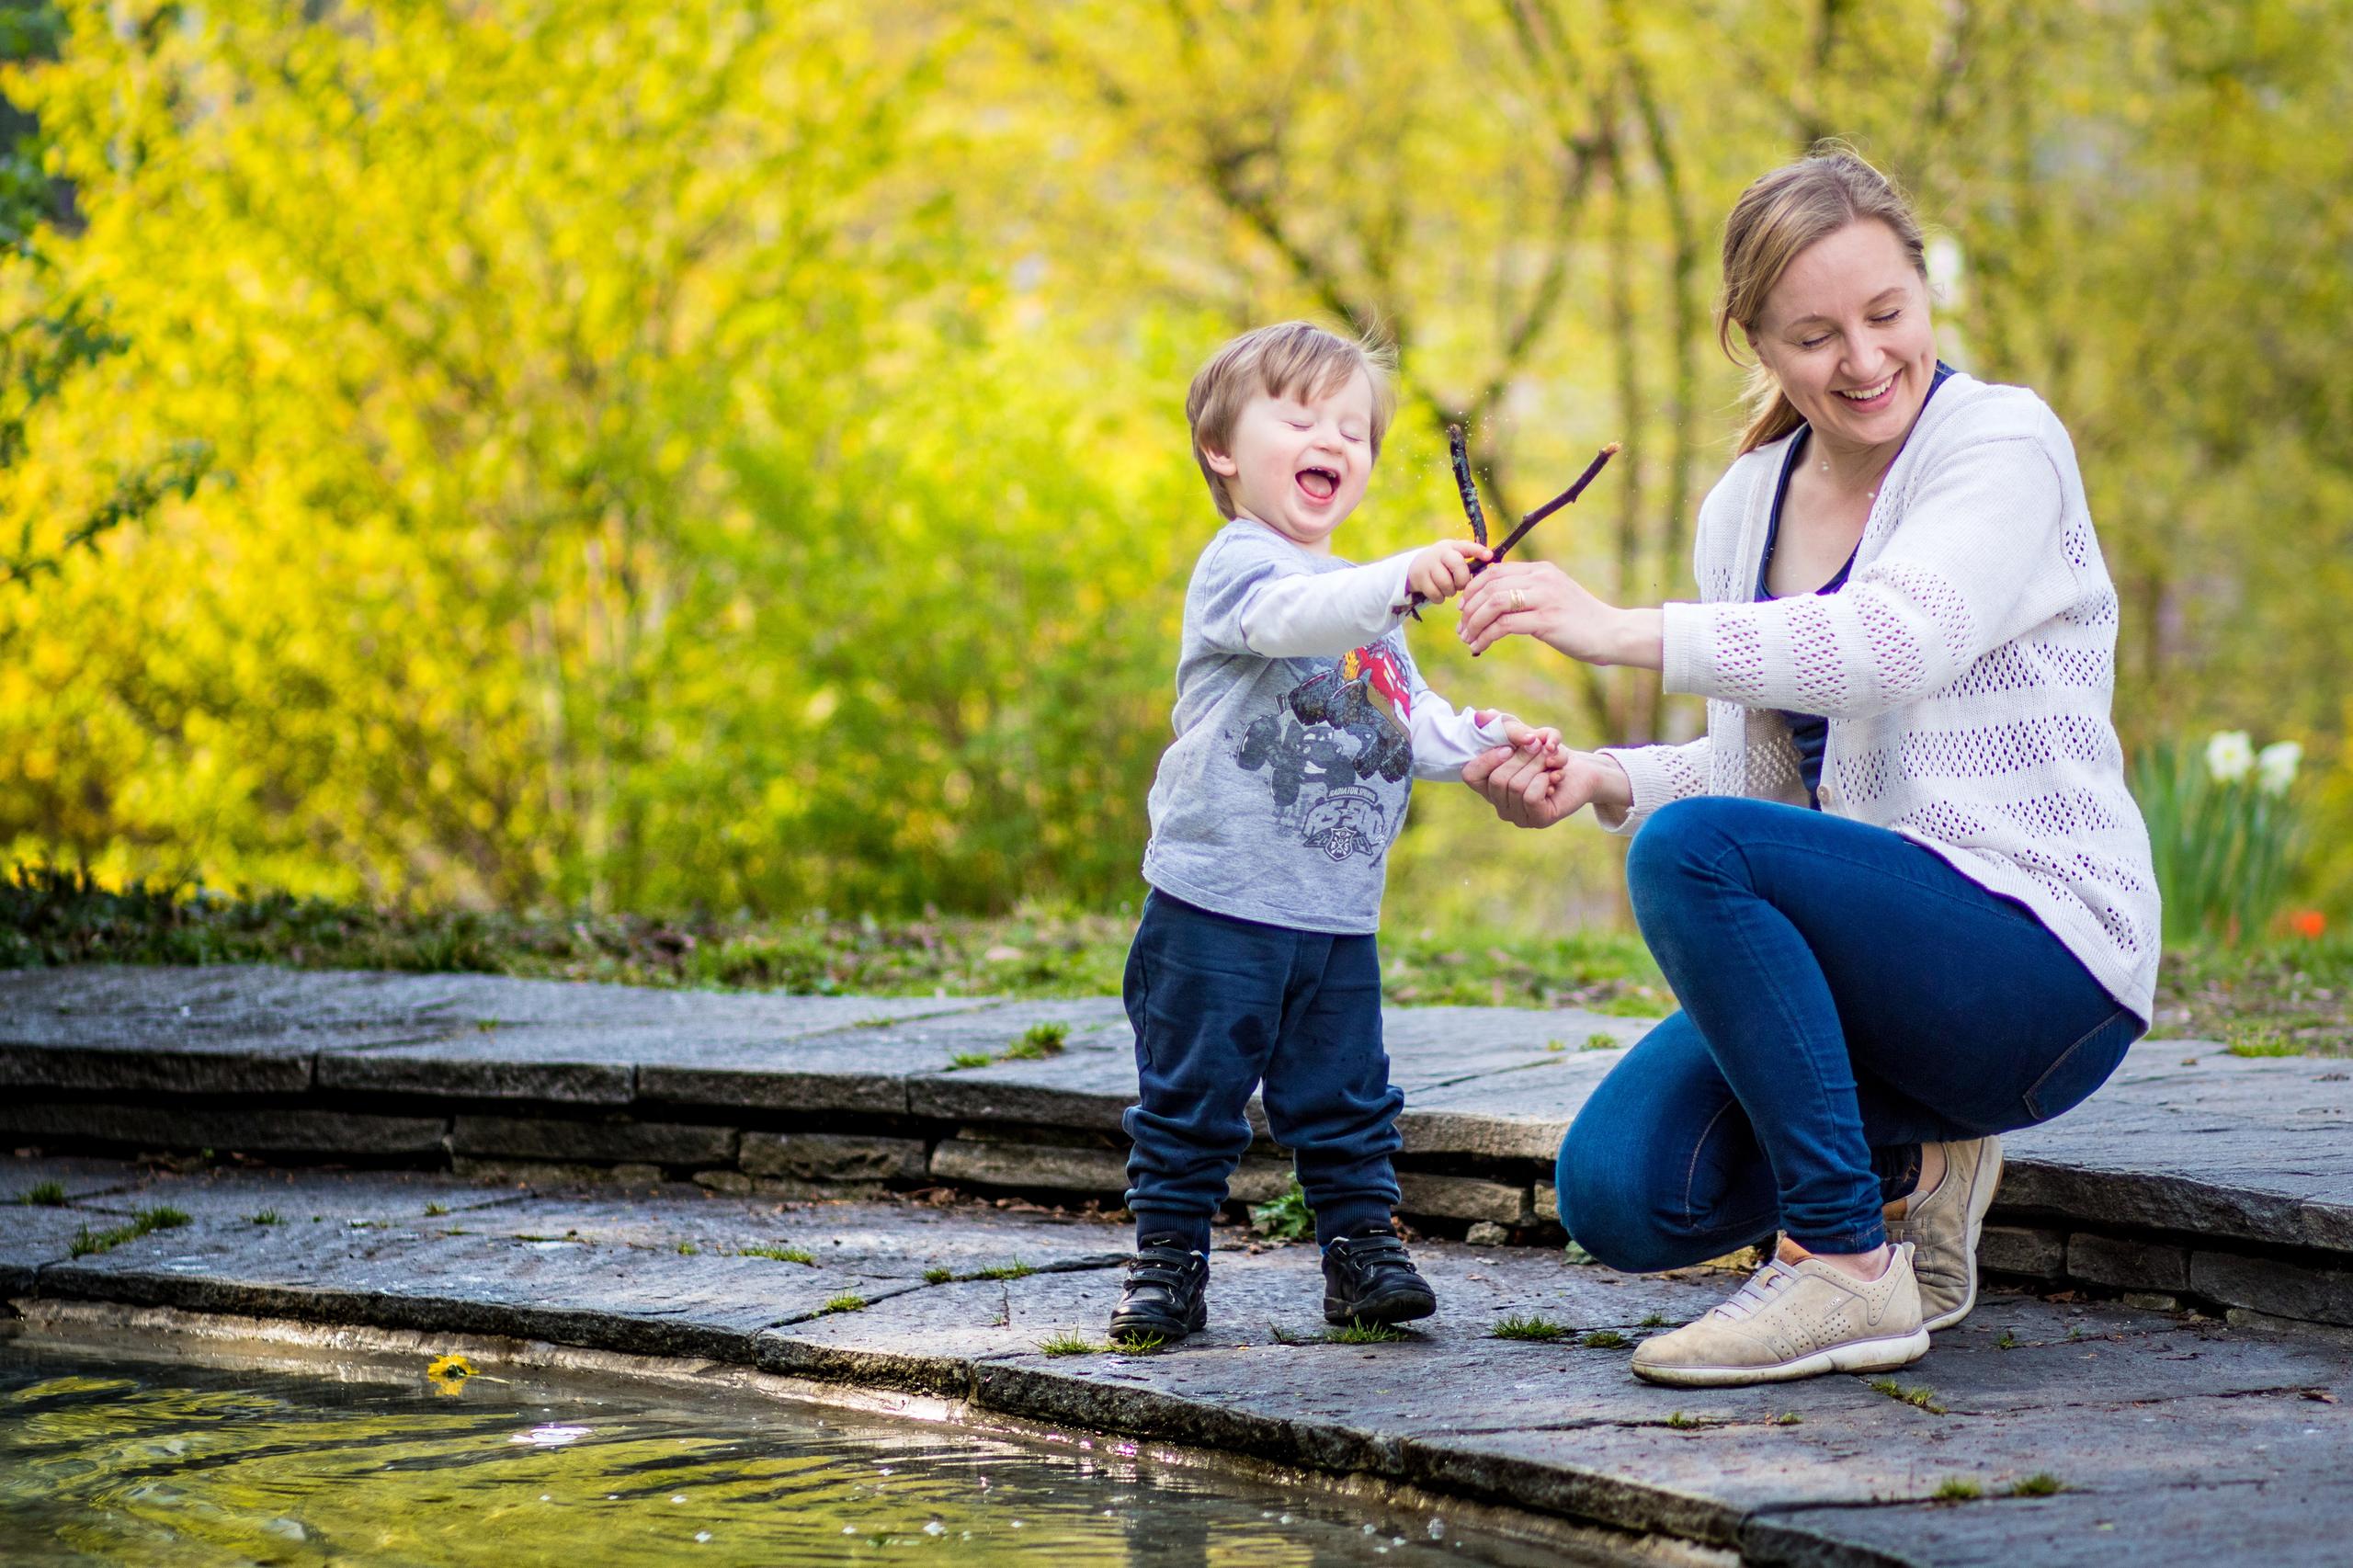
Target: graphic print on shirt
[(1339, 730)]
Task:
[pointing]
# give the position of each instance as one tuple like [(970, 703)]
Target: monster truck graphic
[(1343, 728)]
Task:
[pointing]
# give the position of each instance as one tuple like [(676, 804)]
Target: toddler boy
[(1300, 724)]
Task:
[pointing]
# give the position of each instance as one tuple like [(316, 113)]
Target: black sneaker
[(1369, 1279), (1166, 1293)]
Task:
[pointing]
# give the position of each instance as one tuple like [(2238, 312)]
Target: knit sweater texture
[(1966, 669)]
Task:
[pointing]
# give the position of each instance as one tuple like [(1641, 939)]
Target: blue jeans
[(1847, 996), (1221, 1005)]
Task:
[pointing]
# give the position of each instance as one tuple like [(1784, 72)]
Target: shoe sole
[(1167, 1332), (1855, 1356), (1403, 1307), (1981, 1198)]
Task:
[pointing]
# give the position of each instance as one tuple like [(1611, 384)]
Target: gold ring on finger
[(1519, 599)]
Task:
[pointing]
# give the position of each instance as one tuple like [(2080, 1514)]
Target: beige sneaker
[(1944, 1226), (1794, 1319)]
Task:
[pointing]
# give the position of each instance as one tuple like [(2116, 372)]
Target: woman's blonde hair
[(1775, 218)]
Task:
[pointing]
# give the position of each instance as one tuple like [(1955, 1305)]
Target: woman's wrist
[(1613, 789), (1636, 638)]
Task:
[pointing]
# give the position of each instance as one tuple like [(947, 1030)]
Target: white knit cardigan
[(1965, 668)]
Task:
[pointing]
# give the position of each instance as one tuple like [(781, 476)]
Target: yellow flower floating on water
[(450, 1369), (447, 1374)]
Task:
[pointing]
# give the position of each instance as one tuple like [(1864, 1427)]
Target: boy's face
[(1299, 461)]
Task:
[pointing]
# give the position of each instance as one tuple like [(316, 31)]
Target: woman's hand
[(1538, 599), (1534, 791)]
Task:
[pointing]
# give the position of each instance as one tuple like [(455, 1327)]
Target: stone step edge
[(1007, 1387), (1507, 1200)]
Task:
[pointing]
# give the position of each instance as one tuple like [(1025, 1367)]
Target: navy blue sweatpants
[(1221, 1006)]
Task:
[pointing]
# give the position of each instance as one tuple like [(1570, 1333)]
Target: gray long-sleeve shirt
[(1300, 726)]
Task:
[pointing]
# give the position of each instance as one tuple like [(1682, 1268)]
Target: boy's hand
[(1443, 570), (1544, 744)]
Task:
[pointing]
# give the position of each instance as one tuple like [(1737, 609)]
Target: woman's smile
[(1871, 399)]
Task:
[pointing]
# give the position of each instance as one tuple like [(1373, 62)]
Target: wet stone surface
[(2168, 1433)]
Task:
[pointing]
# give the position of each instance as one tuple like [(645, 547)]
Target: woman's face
[(1846, 333)]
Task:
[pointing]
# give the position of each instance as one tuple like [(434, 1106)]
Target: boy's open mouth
[(1321, 483)]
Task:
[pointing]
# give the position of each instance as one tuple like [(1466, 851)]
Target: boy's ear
[(1219, 462)]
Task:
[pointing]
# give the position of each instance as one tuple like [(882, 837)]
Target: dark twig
[(1554, 504), (1464, 482), (1478, 519)]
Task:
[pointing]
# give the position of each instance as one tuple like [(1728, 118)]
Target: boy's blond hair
[(1295, 359)]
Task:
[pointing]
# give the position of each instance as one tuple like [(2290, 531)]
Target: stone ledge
[(2184, 1145), (2182, 1436), (831, 1157), (252, 1130), (616, 1140)]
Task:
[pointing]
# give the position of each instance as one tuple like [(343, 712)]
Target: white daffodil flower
[(2275, 766), (2230, 757)]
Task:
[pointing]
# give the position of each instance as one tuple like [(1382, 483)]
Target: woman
[(1898, 888)]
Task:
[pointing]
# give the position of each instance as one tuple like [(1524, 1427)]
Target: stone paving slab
[(2145, 1416), (2183, 1140), (2193, 1523)]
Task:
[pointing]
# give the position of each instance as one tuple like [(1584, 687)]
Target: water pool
[(193, 1460)]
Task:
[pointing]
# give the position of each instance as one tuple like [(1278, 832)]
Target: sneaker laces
[(1758, 1294)]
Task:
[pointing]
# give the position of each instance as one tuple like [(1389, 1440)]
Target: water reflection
[(169, 1463)]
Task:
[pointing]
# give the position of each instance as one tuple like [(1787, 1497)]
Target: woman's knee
[(1611, 1211), (1679, 837)]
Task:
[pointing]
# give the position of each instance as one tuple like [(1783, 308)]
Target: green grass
[(43, 1195), (2289, 990), (267, 1217), (1957, 1489), (1656, 1320), (970, 1059), (435, 1210), (783, 1253), (1038, 1043), (2041, 1483), (2260, 1039), (87, 1242), (1017, 1270), (1919, 1398), (936, 1275), (848, 1301), (1683, 1422), (1787, 1418), (1530, 1327), (1365, 1334), (1071, 1344), (688, 1249), (1606, 1339), (1602, 1043), (2302, 989), (1139, 1343), (53, 915), (2009, 1340)]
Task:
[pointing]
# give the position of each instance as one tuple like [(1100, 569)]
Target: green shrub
[(1286, 1217)]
